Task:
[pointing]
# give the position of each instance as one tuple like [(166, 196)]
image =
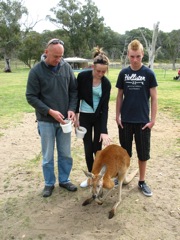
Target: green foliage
[(81, 28), (81, 22), (11, 13), (31, 49)]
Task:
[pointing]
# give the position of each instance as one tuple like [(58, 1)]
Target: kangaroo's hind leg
[(121, 178), (129, 177)]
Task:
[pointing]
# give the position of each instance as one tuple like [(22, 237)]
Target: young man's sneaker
[(47, 191), (145, 189), (84, 184)]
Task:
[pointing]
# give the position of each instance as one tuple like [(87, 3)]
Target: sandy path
[(25, 214)]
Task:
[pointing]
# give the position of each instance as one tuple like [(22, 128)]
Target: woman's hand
[(105, 139)]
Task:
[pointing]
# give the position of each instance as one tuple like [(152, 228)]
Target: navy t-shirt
[(136, 88)]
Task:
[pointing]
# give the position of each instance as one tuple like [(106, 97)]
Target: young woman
[(93, 103)]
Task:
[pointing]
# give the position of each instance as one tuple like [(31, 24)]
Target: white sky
[(120, 16)]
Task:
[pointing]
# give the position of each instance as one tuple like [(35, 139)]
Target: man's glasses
[(55, 41)]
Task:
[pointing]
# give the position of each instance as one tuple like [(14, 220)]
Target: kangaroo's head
[(95, 181)]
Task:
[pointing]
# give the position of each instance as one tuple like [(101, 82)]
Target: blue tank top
[(97, 93)]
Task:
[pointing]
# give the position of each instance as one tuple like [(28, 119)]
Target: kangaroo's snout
[(94, 196)]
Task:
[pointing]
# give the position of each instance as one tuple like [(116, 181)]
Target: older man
[(52, 91)]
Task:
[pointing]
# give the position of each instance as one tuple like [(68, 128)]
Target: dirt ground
[(25, 214)]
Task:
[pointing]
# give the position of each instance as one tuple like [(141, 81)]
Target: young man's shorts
[(141, 137)]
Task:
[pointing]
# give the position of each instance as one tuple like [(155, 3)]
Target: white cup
[(67, 127), (80, 132)]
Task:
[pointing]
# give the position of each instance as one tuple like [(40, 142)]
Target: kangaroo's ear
[(88, 174), (103, 170)]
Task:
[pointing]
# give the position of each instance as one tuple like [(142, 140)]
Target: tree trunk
[(151, 48), (173, 64), (7, 65)]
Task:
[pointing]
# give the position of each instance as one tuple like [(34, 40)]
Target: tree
[(10, 14), (172, 46), (81, 22), (31, 49), (33, 45), (151, 47), (111, 42)]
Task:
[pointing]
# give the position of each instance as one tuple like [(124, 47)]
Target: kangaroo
[(112, 161)]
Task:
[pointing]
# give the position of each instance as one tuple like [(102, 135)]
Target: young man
[(136, 85), (52, 91)]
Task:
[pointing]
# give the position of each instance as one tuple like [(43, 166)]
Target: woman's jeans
[(51, 134)]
